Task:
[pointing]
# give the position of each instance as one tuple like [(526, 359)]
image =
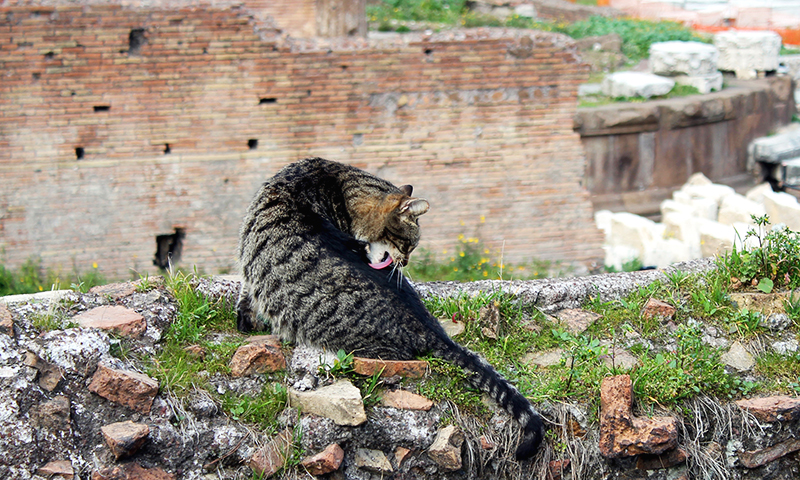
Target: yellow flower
[(460, 254), (486, 251), (485, 273), (94, 264), (455, 269), (483, 219), (461, 236), (452, 259), (444, 251), (40, 288)]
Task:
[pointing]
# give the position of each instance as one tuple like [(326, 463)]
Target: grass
[(470, 260), (637, 35), (32, 277)]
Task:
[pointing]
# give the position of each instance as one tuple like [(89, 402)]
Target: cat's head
[(390, 227)]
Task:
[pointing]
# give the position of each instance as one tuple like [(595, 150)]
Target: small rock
[(764, 456), (765, 303), (131, 471), (556, 469), (62, 468), (772, 409), (341, 402), (446, 448), (53, 414), (406, 400), (6, 321), (255, 358), (196, 351), (622, 434), (665, 460), (544, 359), (271, 457), (373, 461), (739, 358), (404, 368), (785, 348), (49, 375), (125, 438), (489, 318), (658, 309), (619, 358), (325, 461), (400, 454), (118, 319), (577, 320), (115, 290), (486, 443), (777, 322), (271, 340), (452, 327), (131, 389)]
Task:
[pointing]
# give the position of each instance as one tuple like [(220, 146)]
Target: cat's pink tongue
[(383, 264)]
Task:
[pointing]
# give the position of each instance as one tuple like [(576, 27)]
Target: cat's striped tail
[(505, 394)]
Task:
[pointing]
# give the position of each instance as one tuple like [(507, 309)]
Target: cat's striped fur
[(307, 244)]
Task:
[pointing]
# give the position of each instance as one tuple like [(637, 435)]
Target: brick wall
[(180, 131)]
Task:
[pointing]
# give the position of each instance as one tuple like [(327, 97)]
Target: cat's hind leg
[(246, 317)]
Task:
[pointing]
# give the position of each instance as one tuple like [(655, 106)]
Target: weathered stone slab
[(131, 389), (683, 58), (748, 52), (405, 400), (765, 303), (764, 456), (404, 368), (341, 402), (452, 326), (667, 459), (782, 208), (636, 84), (114, 290), (373, 461), (703, 83), (255, 358), (131, 471), (62, 468), (544, 359), (738, 209), (622, 434), (446, 448), (118, 319), (576, 320), (739, 358), (125, 438), (325, 461), (772, 409), (716, 238), (775, 148), (655, 308)]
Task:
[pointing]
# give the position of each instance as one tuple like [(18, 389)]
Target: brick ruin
[(124, 124)]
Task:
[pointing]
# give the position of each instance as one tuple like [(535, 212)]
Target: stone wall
[(638, 154), (120, 124)]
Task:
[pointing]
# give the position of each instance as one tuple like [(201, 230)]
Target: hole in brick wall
[(205, 51), (167, 150), (308, 92), (344, 67), (428, 51), (136, 39), (358, 139), (79, 153), (36, 75), (49, 55), (262, 101), (252, 144), (169, 248), (102, 108)]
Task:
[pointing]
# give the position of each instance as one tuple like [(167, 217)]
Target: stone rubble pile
[(702, 219), (747, 54)]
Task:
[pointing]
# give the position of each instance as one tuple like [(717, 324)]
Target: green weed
[(261, 410), (32, 277)]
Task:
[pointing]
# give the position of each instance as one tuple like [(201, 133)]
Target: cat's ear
[(414, 207), (407, 189)]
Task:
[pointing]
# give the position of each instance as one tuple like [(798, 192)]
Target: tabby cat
[(315, 249)]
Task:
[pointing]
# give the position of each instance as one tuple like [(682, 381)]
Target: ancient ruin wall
[(119, 124)]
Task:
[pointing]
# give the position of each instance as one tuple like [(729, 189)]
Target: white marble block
[(683, 58), (636, 84), (748, 52)]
